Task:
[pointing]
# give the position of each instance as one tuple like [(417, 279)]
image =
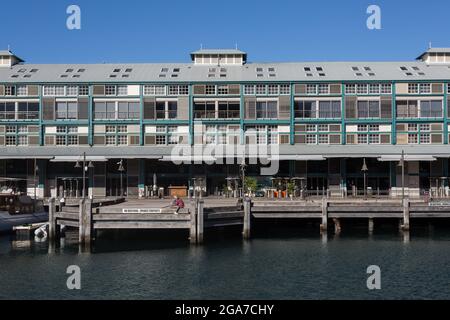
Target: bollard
[(52, 220), (405, 225), (324, 224), (200, 221), (193, 226)]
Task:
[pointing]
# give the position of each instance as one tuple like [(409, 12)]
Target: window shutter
[(335, 127), (83, 108), (250, 108), (436, 138), (82, 140), (300, 89), (33, 140), (402, 138), (49, 140), (2, 140), (300, 128), (183, 108), (99, 140), (350, 107), (234, 89), (199, 89), (48, 108), (300, 139), (335, 139), (284, 139), (150, 140), (401, 127), (33, 90), (437, 88), (385, 139), (133, 140), (335, 89), (351, 139), (386, 108), (436, 127), (284, 107), (2, 90), (98, 90)]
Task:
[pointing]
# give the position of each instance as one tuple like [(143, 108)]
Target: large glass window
[(104, 110), (407, 109), (329, 109), (266, 110), (431, 109), (28, 111), (305, 109), (368, 109), (128, 110)]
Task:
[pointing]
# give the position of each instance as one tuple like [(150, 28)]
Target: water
[(281, 262)]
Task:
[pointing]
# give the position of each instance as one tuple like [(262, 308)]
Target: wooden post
[(247, 218), (337, 226), (324, 224), (371, 225), (405, 225), (81, 225), (88, 225), (200, 220), (52, 220), (193, 228)]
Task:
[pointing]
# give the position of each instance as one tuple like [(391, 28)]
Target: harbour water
[(287, 261)]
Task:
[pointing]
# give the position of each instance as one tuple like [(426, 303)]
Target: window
[(249, 89), (273, 89), (222, 90), (229, 110), (83, 90), (285, 89), (362, 128), (178, 90), (122, 90), (129, 110), (210, 90), (22, 90), (350, 89), (323, 128), (311, 89), (374, 88), (72, 90), (431, 109), (305, 109), (311, 139), (362, 139), (413, 138), (7, 110), (323, 139), (374, 139), (311, 128), (122, 140), (266, 109), (407, 109), (412, 127), (374, 127), (110, 90), (204, 110), (110, 140), (362, 89), (155, 90), (386, 88), (425, 127), (10, 90), (61, 140), (368, 109), (22, 140), (72, 140), (425, 88), (27, 110), (10, 140), (413, 88), (329, 109), (261, 89), (11, 129), (66, 110), (104, 110), (425, 138), (324, 89)]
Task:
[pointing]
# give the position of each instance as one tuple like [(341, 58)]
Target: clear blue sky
[(166, 31)]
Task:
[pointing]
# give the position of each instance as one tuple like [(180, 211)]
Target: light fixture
[(90, 165), (77, 165)]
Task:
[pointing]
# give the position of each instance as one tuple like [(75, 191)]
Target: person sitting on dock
[(177, 203)]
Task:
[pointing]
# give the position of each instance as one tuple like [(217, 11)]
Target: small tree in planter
[(250, 185), (291, 189)]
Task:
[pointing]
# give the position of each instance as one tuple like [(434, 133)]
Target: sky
[(166, 31)]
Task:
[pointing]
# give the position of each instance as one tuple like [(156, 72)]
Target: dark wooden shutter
[(300, 89), (386, 108), (48, 109), (335, 89), (33, 91), (350, 108), (250, 108), (199, 89), (234, 89), (284, 107), (183, 108), (83, 108), (98, 90)]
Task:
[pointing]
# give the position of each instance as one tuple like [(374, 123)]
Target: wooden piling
[(193, 225), (87, 214), (52, 220), (406, 215), (337, 226), (247, 218), (81, 224), (324, 224), (200, 221), (371, 225)]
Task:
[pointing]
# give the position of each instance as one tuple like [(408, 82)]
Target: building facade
[(326, 120)]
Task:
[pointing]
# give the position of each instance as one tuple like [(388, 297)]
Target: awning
[(78, 158), (408, 157), (298, 158), (133, 157), (26, 157), (188, 159)]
